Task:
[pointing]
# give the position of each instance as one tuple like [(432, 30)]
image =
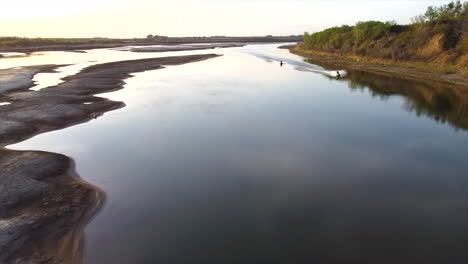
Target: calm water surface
[(239, 160)]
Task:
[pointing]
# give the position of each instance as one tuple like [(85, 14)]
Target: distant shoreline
[(34, 45), (405, 69)]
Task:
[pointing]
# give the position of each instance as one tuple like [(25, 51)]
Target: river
[(239, 160)]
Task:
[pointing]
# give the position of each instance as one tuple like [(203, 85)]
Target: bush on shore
[(438, 35)]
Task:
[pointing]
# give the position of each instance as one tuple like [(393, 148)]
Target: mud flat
[(43, 203)]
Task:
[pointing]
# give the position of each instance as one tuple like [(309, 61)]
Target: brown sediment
[(43, 203), (411, 70)]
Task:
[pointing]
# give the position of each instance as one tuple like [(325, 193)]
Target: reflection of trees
[(441, 102)]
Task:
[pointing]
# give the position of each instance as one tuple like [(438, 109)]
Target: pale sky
[(137, 18)]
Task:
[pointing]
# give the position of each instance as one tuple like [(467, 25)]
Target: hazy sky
[(137, 18)]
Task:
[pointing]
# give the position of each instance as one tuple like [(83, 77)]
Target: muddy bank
[(43, 203), (396, 69), (186, 47)]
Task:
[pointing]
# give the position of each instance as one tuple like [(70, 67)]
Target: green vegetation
[(439, 36)]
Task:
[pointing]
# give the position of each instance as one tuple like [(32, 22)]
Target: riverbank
[(414, 70), (43, 203)]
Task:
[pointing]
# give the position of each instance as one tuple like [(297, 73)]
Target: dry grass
[(432, 48), (444, 63), (446, 72)]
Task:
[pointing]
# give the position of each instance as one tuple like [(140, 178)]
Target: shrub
[(451, 11), (448, 23)]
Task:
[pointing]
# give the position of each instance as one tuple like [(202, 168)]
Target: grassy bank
[(436, 42)]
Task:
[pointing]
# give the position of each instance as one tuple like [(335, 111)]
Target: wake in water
[(297, 64)]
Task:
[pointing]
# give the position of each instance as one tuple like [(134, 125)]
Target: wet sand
[(43, 203)]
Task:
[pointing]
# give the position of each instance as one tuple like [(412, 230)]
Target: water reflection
[(441, 102), (235, 160)]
